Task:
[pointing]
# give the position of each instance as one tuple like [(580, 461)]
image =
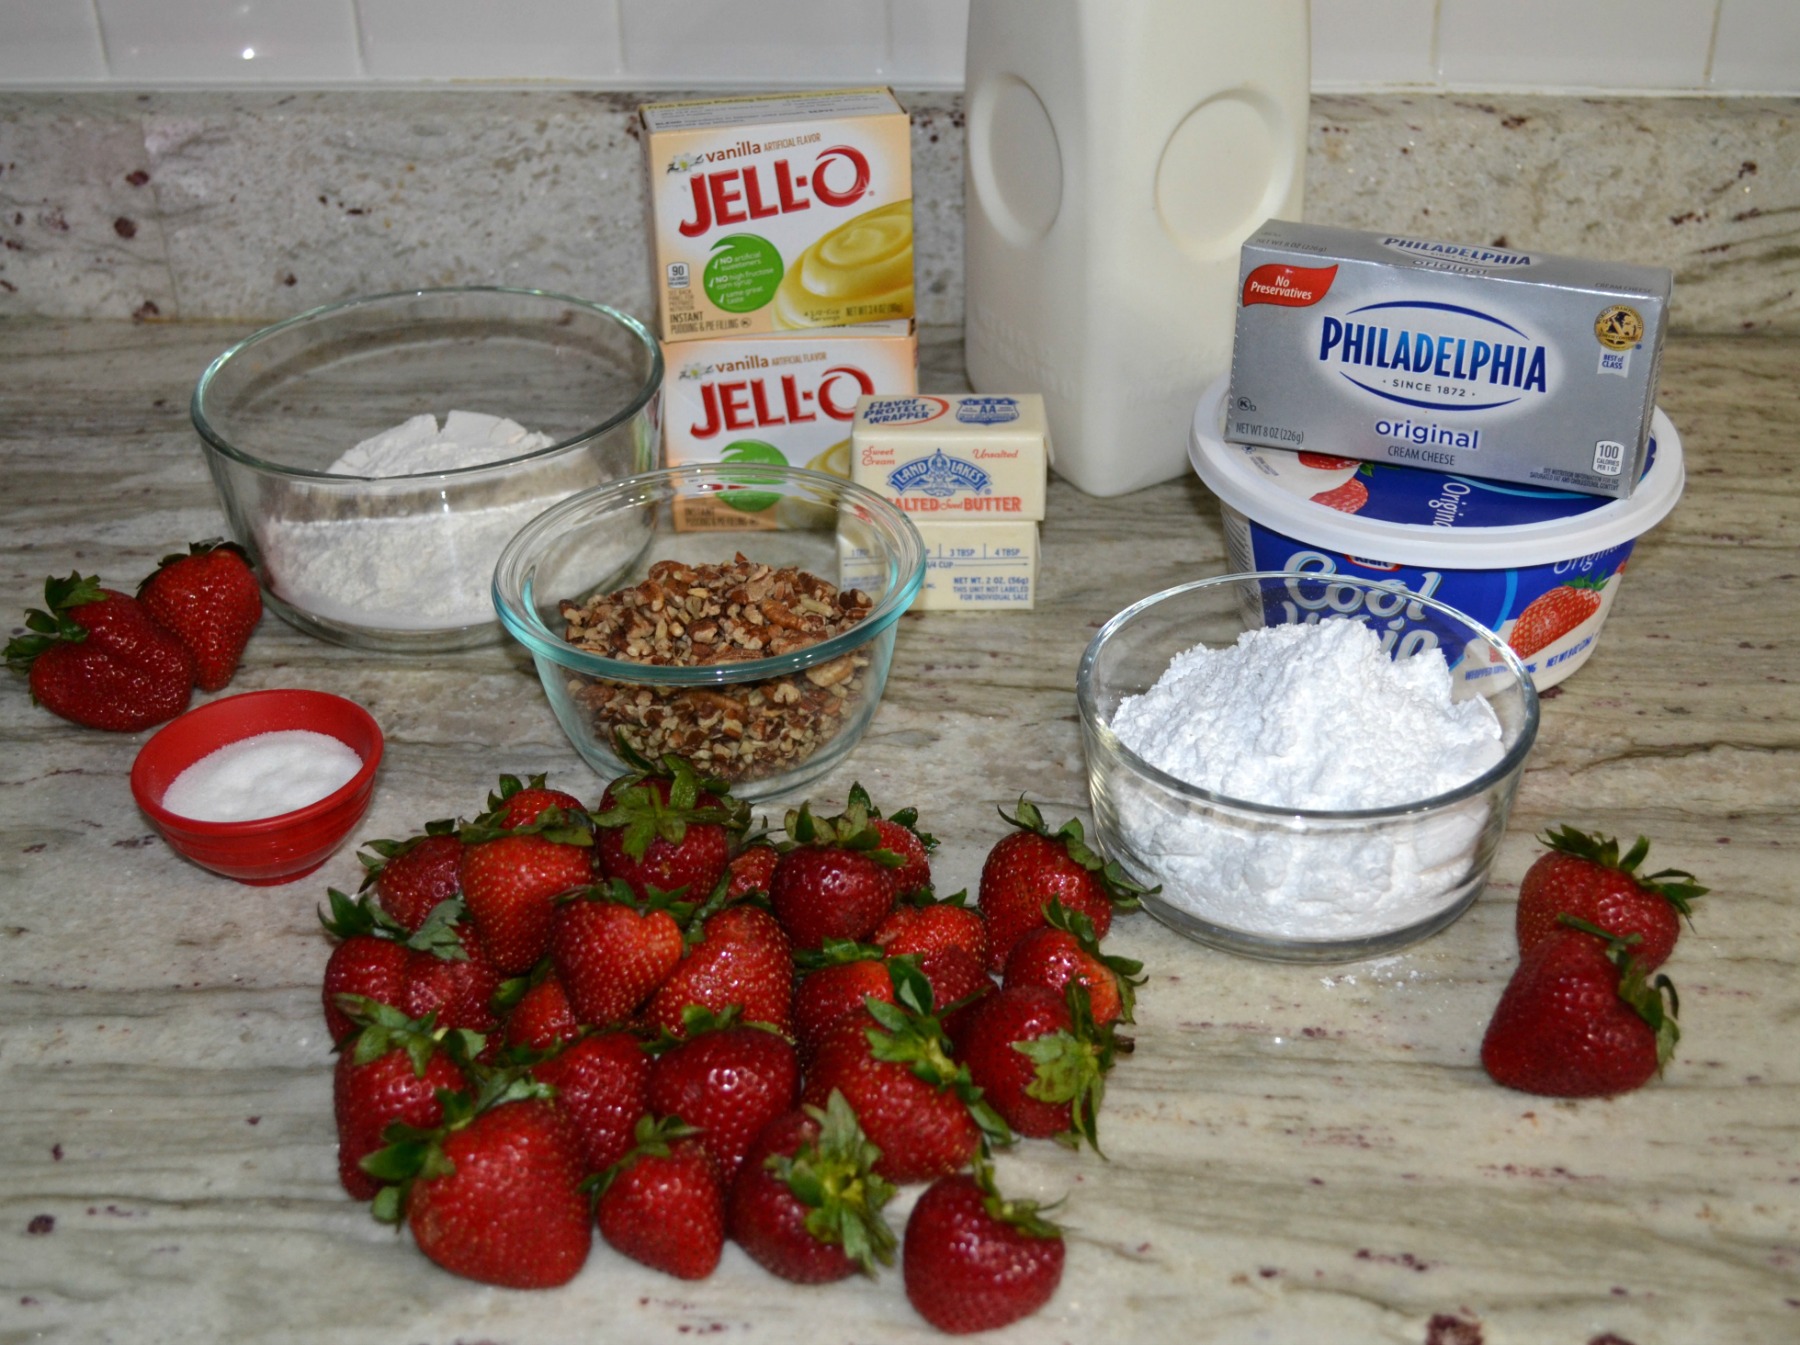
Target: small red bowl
[(262, 851)]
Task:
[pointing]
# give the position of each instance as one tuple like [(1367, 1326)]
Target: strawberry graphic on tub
[(1558, 614)]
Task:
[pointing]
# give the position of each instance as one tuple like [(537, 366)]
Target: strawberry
[(1580, 1019), (1553, 614), (1039, 1060), (601, 1082), (973, 1260), (510, 882), (1586, 877), (494, 1194), (728, 1080), (751, 870), (98, 658), (900, 834), (1032, 865), (948, 938), (610, 952), (662, 1203), (1324, 462), (807, 1204), (516, 803), (742, 958), (837, 881), (1348, 498), (1066, 950), (838, 979), (367, 966), (892, 1064), (438, 969), (666, 829), (412, 876), (541, 1019), (390, 1070), (210, 599)]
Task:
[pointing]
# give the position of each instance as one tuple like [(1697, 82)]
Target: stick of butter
[(953, 457), (978, 566)]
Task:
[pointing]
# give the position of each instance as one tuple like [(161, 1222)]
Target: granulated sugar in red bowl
[(276, 747)]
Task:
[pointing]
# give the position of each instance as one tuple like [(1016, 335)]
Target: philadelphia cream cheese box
[(781, 398), (1488, 361), (956, 456), (776, 212)]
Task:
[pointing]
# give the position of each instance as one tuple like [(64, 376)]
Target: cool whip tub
[(1541, 568)]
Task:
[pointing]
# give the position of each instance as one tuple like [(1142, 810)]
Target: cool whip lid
[(1417, 516)]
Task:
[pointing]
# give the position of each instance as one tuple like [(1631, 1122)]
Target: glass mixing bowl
[(403, 563), (1297, 884), (767, 722)]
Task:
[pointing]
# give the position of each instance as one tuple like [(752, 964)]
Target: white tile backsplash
[(1757, 47), (49, 42), (230, 41), (1545, 46), (1574, 44), (435, 40), (1356, 43), (773, 43)]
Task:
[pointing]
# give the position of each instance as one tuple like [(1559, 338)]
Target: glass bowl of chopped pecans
[(739, 615)]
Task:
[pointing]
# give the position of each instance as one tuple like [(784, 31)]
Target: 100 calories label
[(1508, 365)]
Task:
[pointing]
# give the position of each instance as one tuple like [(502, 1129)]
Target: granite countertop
[(1295, 1153)]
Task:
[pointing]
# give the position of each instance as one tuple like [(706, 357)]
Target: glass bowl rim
[(651, 386), (525, 626), (1509, 762)]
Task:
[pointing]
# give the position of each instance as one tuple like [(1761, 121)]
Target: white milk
[(1120, 152)]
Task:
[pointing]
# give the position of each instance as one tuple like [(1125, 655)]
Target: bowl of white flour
[(375, 456), (1302, 761)]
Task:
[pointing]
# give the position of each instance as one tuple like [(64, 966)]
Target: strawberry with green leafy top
[(1585, 876), (1031, 866), (511, 878), (807, 1203), (96, 657), (836, 880), (612, 950), (900, 833), (662, 1204), (391, 1069), (751, 870), (1040, 1060), (494, 1193), (741, 957), (517, 803), (893, 1065), (210, 599), (541, 1019), (665, 828), (412, 876), (1554, 614), (1580, 1018), (728, 1079), (438, 969), (1065, 949), (835, 980), (973, 1260)]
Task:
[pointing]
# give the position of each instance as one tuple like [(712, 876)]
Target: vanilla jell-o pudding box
[(959, 456), (779, 212), (1487, 361), (781, 398)]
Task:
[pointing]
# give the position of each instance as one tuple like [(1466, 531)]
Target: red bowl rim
[(252, 826)]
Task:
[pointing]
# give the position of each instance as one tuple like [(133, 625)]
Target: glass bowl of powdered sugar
[(1313, 766), (373, 457)]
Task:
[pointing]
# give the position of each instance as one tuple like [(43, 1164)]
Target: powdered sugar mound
[(1311, 716), (1317, 717)]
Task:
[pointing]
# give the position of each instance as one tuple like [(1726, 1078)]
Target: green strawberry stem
[(1676, 886)]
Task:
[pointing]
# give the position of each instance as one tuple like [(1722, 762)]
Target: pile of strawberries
[(109, 660), (639, 1017), (1582, 1015)]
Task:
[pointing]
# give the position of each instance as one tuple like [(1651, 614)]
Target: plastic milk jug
[(1119, 152)]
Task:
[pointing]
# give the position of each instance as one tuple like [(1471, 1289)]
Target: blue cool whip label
[(1486, 361)]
